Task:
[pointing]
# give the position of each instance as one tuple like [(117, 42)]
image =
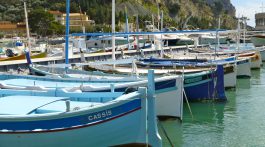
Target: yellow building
[(76, 19)]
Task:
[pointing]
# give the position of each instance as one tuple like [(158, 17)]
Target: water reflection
[(243, 83), (207, 120), (238, 122)]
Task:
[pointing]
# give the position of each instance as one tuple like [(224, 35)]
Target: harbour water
[(238, 122)]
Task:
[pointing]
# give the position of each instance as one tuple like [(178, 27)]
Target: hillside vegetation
[(181, 14)]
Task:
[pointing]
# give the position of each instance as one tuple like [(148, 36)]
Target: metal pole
[(137, 30), (113, 29), (218, 37), (67, 31), (245, 27), (127, 28), (27, 27), (162, 17), (215, 46), (153, 23), (83, 26), (238, 35), (158, 12)]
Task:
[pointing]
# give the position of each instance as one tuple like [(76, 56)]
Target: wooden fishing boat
[(22, 56), (66, 121), (168, 89), (205, 85), (230, 72), (254, 57), (202, 87), (242, 64)]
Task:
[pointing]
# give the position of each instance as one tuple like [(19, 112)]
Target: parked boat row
[(195, 79)]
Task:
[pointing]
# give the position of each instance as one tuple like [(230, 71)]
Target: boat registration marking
[(99, 115)]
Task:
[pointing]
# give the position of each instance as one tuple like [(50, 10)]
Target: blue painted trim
[(165, 84), (197, 83), (86, 119), (67, 129), (166, 90), (242, 62)]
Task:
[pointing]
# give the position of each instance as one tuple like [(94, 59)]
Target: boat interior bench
[(23, 105)]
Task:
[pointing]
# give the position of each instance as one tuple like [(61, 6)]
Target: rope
[(188, 104), (185, 93)]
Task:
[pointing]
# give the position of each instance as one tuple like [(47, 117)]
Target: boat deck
[(24, 105)]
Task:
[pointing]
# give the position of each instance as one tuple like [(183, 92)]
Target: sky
[(248, 8)]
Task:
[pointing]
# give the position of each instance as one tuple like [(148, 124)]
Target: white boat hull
[(255, 60), (83, 137), (230, 79), (256, 63), (244, 68), (170, 103)]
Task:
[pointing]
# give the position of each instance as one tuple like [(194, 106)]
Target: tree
[(1, 35), (43, 23)]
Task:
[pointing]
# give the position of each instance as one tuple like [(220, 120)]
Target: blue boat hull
[(200, 91), (206, 87)]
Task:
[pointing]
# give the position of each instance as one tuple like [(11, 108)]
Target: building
[(260, 21), (76, 19), (9, 28)]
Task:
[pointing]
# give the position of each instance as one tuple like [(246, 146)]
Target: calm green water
[(236, 123)]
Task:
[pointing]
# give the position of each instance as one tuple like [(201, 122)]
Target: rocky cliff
[(189, 13)]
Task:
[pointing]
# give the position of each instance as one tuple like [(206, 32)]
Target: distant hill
[(178, 13)]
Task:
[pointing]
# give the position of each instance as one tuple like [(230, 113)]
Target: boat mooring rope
[(183, 90), (188, 104)]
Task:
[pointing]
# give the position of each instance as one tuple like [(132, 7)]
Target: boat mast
[(27, 26), (162, 19), (113, 29), (158, 15), (161, 41), (245, 27), (127, 27), (137, 30), (244, 21), (238, 34), (219, 27), (67, 31), (217, 42), (153, 23), (83, 26)]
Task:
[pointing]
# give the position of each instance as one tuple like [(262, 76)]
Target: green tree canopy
[(43, 23)]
